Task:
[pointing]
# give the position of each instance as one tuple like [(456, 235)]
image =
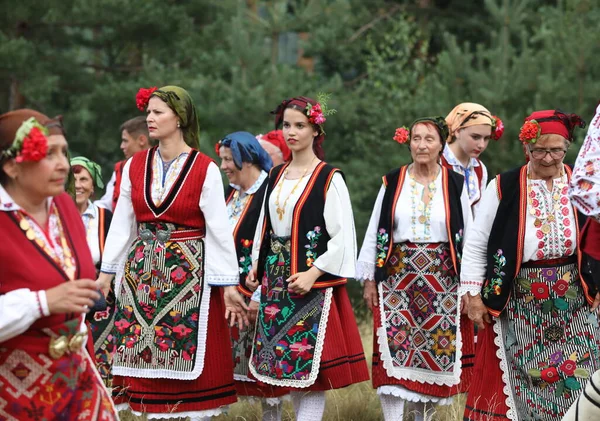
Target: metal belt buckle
[(163, 235), (146, 234), (61, 344)]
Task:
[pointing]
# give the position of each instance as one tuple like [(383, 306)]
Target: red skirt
[(486, 400), (214, 387), (381, 378), (343, 359), (259, 390)]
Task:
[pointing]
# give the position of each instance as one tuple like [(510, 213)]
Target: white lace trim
[(200, 351), (473, 290), (242, 378), (410, 396), (501, 354), (222, 280), (412, 374), (365, 271), (193, 415), (110, 268), (317, 355)]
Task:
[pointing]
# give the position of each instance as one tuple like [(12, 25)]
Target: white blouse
[(90, 221), (585, 183), (340, 257), (220, 264), (472, 183), (404, 229), (544, 238)]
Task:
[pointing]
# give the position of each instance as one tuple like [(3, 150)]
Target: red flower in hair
[(35, 146), (316, 115), (402, 135), (143, 96), (497, 129), (530, 132)]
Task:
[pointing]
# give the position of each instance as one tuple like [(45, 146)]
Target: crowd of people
[(173, 297)]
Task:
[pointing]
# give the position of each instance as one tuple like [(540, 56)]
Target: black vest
[(452, 185), (508, 235), (308, 218), (243, 233)]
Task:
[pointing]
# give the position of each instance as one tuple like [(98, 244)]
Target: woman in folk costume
[(246, 165), (274, 143), (96, 220), (170, 244), (522, 271), (409, 263), (46, 280), (471, 128), (584, 192), (306, 334)]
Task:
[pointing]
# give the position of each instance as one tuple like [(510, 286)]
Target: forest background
[(385, 62)]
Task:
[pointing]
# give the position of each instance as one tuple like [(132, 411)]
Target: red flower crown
[(30, 144), (143, 97), (530, 132)]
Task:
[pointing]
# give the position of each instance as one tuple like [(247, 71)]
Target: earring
[(178, 124)]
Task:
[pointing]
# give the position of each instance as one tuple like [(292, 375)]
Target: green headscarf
[(182, 104), (93, 168)]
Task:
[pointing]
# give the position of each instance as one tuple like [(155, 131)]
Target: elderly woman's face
[(84, 186), (228, 166), (547, 155), (161, 119), (45, 178), (425, 144)]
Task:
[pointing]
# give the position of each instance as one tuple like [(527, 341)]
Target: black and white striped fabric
[(587, 406)]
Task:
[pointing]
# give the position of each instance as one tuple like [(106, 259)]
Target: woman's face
[(473, 140), (228, 166), (547, 154), (45, 178), (425, 144), (161, 119), (84, 186), (297, 131)]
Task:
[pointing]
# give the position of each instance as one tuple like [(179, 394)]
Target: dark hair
[(136, 126), (319, 138)]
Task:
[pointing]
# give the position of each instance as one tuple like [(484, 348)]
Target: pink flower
[(122, 325), (181, 331), (402, 135), (178, 276)]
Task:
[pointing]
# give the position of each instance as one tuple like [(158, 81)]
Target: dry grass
[(358, 402)]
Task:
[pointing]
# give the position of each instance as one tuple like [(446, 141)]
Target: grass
[(358, 402)]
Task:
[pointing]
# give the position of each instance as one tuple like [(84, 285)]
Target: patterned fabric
[(162, 180), (472, 182), (548, 342), (34, 386), (585, 184), (290, 327), (242, 341), (159, 305), (101, 326), (420, 339)]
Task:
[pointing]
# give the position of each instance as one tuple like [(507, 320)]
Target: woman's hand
[(464, 304), (251, 278), (72, 297), (302, 282), (235, 307), (104, 281), (370, 294), (253, 311), (478, 312)]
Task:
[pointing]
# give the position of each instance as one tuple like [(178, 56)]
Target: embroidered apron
[(420, 338), (162, 309), (101, 326), (290, 329), (549, 341)]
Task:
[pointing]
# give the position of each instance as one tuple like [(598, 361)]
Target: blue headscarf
[(245, 148)]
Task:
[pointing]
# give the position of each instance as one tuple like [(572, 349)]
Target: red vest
[(590, 238), (180, 206), (117, 188), (25, 265)]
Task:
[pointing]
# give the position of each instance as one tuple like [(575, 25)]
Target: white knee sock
[(393, 407), (309, 406), (271, 412)]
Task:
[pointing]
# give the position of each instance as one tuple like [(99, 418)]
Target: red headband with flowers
[(316, 113), (549, 122), (143, 97), (30, 144)]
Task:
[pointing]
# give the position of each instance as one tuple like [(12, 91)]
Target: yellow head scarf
[(465, 115)]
